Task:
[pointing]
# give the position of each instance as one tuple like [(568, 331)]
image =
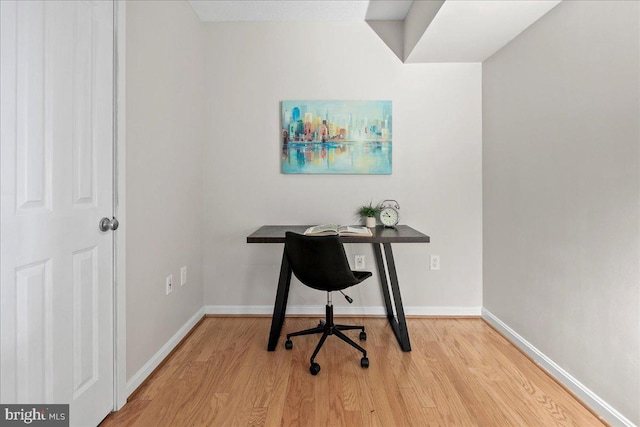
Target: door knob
[(109, 224)]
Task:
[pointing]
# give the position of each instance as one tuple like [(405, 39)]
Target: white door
[(56, 129)]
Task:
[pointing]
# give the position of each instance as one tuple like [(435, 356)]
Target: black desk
[(381, 240)]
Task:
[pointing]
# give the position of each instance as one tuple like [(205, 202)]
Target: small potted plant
[(369, 212)]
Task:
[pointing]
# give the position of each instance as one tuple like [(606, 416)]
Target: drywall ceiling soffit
[(416, 31), (473, 30)]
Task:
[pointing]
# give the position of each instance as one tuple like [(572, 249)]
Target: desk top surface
[(400, 234)]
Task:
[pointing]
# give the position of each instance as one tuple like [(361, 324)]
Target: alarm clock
[(389, 216)]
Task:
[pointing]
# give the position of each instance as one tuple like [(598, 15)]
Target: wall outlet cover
[(183, 275), (169, 284)]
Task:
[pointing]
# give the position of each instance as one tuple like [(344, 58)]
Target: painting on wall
[(336, 137)]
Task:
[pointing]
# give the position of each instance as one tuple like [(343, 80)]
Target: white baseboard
[(318, 310), (157, 358), (606, 411)]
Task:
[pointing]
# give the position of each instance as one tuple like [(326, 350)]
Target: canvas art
[(336, 137)]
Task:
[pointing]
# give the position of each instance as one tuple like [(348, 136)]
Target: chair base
[(329, 328)]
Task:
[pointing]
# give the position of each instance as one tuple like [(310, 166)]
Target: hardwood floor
[(460, 373)]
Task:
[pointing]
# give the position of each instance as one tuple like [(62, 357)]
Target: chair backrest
[(319, 261)]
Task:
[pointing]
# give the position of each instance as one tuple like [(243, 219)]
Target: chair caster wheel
[(363, 336), (364, 362), (288, 344), (314, 369)]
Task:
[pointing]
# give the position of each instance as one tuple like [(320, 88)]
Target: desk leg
[(382, 273), (280, 307), (399, 326)]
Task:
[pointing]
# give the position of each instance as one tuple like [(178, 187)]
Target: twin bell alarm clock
[(389, 216)]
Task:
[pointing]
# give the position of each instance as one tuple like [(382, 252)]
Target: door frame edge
[(119, 296)]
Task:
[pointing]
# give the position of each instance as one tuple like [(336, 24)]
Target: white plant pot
[(370, 222)]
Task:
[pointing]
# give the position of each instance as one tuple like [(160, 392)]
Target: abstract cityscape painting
[(336, 137)]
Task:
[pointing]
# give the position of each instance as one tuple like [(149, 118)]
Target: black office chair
[(321, 263)]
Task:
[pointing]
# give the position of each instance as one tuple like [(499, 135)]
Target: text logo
[(34, 415)]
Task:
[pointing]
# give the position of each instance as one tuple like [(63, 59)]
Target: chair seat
[(361, 275)]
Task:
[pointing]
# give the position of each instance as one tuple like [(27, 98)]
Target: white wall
[(561, 193), (560, 206), (165, 128), (436, 178)]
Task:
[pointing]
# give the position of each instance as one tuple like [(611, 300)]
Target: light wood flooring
[(460, 372)]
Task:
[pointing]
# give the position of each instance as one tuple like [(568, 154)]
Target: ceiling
[(416, 31), (300, 10)]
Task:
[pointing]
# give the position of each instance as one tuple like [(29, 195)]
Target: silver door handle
[(107, 224)]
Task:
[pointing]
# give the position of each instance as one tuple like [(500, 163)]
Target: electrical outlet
[(435, 262), (183, 275), (360, 265), (169, 284)]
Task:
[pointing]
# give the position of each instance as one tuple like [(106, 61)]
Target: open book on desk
[(340, 230)]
